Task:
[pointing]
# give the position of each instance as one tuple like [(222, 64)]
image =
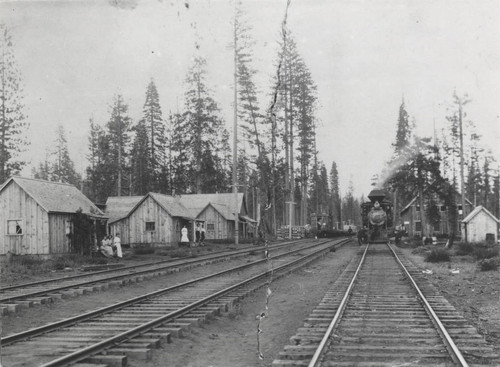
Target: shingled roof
[(416, 197), (223, 203), (56, 197), (173, 206), (118, 207), (476, 211), (187, 206)]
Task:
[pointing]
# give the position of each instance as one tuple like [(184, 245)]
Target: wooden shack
[(479, 226), (155, 219), (217, 212), (118, 208), (411, 218), (37, 216)]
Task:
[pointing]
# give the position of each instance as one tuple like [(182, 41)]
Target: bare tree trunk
[(292, 175), (273, 164), (287, 156), (119, 156)]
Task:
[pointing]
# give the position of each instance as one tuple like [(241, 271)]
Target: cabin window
[(210, 227), (14, 227), (443, 208), (417, 208), (68, 227), (150, 226), (418, 226)]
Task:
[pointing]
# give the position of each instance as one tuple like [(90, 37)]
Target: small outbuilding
[(117, 208), (411, 217), (157, 219), (217, 210), (480, 225), (43, 218), (153, 219)]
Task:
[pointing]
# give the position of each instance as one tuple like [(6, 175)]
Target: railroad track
[(383, 312), (15, 297), (131, 329)]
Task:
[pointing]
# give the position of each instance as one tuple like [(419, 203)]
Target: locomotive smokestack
[(376, 195)]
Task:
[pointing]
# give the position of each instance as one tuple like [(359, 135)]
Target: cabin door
[(210, 231)]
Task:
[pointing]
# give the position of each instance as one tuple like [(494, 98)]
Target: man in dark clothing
[(398, 236), (362, 236), (197, 233), (202, 235)]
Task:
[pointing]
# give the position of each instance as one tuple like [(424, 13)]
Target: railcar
[(377, 217)]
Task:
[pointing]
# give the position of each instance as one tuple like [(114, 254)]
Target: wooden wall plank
[(3, 225), (15, 203)]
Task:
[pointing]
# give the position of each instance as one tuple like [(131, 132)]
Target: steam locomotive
[(376, 216)]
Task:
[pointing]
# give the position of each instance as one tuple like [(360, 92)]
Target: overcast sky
[(364, 55)]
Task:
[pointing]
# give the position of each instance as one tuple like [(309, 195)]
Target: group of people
[(111, 246), (199, 234)]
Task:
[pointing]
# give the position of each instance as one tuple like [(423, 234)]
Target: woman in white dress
[(106, 248), (184, 236), (117, 244)]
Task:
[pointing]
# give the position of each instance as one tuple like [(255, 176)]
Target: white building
[(479, 224)]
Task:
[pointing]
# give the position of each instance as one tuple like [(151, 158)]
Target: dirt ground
[(18, 272), (475, 293), (231, 339)]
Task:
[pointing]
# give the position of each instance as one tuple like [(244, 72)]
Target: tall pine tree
[(335, 203), (203, 130), (118, 131), (13, 124), (98, 183), (250, 120), (306, 133), (156, 138), (141, 164), (63, 168), (400, 156)]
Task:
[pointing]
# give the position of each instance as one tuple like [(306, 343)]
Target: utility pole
[(462, 180), (340, 211), (235, 133), (292, 178), (119, 189), (497, 189), (273, 168), (290, 208), (395, 217)]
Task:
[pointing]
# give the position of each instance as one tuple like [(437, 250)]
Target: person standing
[(202, 235), (117, 244), (362, 236), (198, 233), (184, 236)]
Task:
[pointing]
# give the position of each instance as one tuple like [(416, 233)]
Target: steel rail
[(107, 343), (324, 341), (171, 264), (132, 267), (452, 348), (103, 310)]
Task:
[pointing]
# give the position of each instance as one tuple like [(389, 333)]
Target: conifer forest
[(274, 160)]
